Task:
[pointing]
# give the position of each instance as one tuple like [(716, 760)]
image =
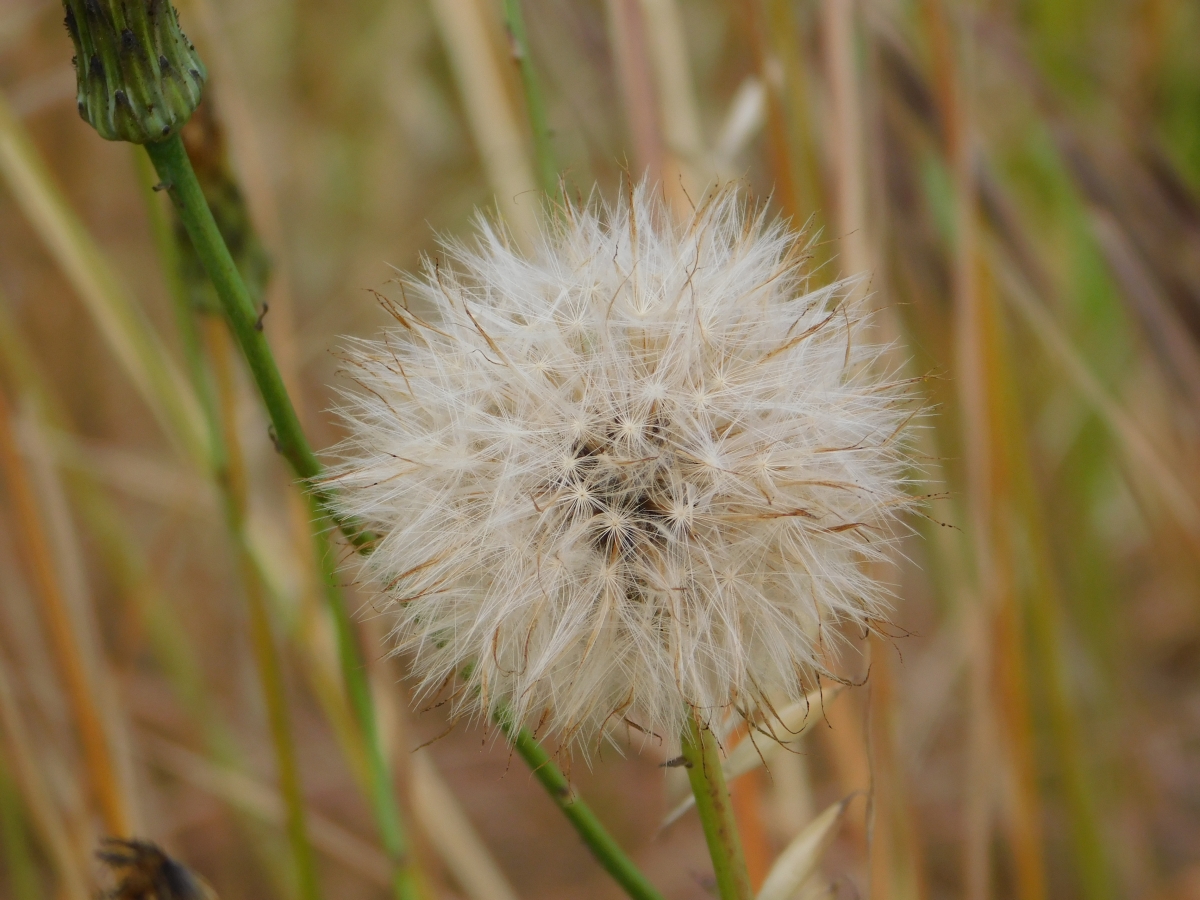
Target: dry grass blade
[(687, 165), (255, 798), (745, 118), (798, 862), (1174, 494), (631, 55), (51, 828), (124, 327), (845, 135), (490, 112), (453, 836), (770, 71)]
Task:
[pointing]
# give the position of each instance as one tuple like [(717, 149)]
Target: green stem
[(703, 760), (598, 840), (547, 167), (175, 169), (168, 255)]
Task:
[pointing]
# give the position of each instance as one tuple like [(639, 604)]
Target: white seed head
[(635, 472)]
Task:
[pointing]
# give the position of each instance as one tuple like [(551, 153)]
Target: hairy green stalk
[(580, 815), (703, 761), (174, 168), (534, 102)]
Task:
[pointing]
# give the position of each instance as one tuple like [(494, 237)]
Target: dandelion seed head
[(638, 471)]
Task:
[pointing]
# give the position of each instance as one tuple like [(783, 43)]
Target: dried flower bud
[(145, 872), (138, 76)]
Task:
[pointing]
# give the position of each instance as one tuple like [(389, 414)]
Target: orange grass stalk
[(972, 337), (747, 797), (1007, 683), (39, 558), (1043, 612), (896, 865), (770, 71)]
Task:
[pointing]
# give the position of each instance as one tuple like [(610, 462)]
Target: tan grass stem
[(839, 35), (1009, 721), (895, 866), (1025, 833), (810, 192), (771, 71), (973, 365), (491, 113), (252, 797), (848, 738), (453, 836), (687, 162), (635, 77), (747, 799)]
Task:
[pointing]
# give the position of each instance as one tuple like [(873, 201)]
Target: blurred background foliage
[(1020, 177)]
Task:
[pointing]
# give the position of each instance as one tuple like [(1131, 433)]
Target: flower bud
[(139, 77)]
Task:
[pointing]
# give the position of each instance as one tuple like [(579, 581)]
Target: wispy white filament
[(633, 473)]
